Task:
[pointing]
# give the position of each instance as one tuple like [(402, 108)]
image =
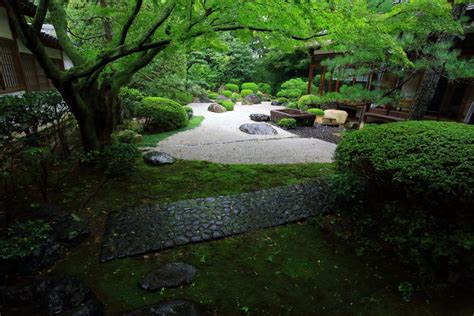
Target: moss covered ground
[(289, 270), (151, 140)]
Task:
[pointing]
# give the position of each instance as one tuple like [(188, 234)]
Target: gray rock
[(170, 308), (251, 99), (46, 253), (258, 129), (70, 229), (156, 158), (260, 117), (221, 97), (171, 275), (216, 108)]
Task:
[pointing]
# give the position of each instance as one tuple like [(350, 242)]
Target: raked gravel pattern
[(218, 139), (143, 229)]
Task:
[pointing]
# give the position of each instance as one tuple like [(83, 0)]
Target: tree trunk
[(95, 111), (431, 78)]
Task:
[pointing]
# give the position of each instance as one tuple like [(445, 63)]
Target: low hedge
[(250, 86), (408, 187), (162, 115)]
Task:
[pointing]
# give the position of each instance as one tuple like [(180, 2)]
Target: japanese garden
[(217, 157)]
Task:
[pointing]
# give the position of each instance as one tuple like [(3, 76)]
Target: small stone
[(170, 276), (155, 158)]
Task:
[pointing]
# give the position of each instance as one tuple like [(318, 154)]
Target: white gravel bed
[(218, 139)]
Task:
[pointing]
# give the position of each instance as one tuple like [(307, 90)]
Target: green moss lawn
[(289, 270)]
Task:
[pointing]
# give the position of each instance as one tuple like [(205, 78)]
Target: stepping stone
[(258, 129), (260, 117), (170, 308), (216, 108), (155, 158), (171, 275)]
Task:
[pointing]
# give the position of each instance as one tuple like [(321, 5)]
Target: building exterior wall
[(5, 30)]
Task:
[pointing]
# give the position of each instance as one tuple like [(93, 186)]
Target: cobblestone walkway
[(148, 228)]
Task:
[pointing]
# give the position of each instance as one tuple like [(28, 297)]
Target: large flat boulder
[(258, 129), (338, 115), (170, 276)]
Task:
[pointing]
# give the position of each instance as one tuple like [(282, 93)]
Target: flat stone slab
[(147, 228), (258, 129), (170, 308), (156, 158), (170, 276)]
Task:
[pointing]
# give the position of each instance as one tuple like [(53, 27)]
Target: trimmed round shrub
[(250, 86), (232, 87), (282, 100), (183, 97), (317, 112), (307, 100), (189, 111), (229, 105), (260, 94), (213, 95), (412, 194), (119, 159), (162, 115), (126, 137), (265, 88), (130, 99), (288, 123), (132, 125), (245, 92), (227, 93)]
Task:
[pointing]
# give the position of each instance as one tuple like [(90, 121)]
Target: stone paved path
[(149, 228)]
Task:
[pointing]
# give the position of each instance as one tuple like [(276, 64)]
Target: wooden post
[(321, 80), (338, 83), (310, 78), (353, 81), (330, 82)]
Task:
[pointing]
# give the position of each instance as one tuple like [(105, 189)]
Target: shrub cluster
[(189, 111), (288, 123), (265, 88), (293, 88), (126, 137), (250, 86), (408, 187), (306, 101), (162, 114), (130, 99)]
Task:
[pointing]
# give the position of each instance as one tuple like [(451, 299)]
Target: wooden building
[(453, 100), (19, 70)]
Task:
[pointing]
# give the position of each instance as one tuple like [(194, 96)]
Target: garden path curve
[(142, 229), (218, 139)]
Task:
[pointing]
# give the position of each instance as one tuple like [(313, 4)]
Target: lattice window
[(10, 67), (29, 68)]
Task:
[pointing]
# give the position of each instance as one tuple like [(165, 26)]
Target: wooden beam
[(310, 78), (338, 83), (330, 82)]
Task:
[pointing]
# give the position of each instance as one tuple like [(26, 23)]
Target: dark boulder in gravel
[(171, 275), (156, 158), (260, 117), (251, 99), (170, 308), (258, 129)]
